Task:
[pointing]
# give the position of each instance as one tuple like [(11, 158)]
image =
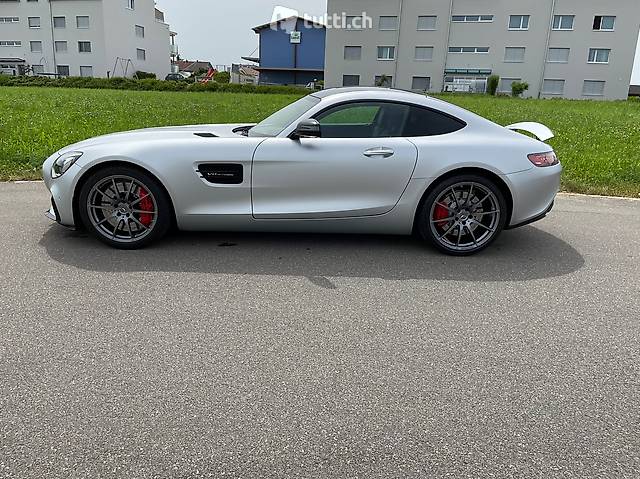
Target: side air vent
[(206, 135), (222, 173)]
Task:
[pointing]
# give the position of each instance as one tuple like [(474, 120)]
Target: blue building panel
[(286, 63)]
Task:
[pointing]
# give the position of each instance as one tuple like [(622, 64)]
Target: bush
[(519, 87), (147, 84), (492, 84), (145, 75), (222, 77)]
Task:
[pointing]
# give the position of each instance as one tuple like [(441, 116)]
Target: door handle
[(383, 152)]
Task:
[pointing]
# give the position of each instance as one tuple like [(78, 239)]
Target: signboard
[(296, 37)]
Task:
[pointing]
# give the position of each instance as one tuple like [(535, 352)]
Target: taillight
[(544, 159)]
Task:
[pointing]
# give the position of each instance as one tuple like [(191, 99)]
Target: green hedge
[(143, 85)]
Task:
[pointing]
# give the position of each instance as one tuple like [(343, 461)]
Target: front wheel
[(124, 207), (463, 215)]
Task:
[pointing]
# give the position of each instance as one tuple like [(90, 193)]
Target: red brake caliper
[(440, 213), (145, 205)]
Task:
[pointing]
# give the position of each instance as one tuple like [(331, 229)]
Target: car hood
[(162, 133)]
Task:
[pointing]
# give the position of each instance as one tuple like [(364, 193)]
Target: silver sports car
[(349, 160)]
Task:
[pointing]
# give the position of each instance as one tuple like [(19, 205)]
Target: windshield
[(276, 123)]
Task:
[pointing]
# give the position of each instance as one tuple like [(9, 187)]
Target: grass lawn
[(598, 143)]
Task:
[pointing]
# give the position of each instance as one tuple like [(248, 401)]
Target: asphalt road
[(234, 355)]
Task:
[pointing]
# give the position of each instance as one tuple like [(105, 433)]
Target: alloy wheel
[(465, 217), (122, 209)]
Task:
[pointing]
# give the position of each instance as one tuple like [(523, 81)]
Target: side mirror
[(307, 129)]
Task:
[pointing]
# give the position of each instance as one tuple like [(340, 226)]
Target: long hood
[(159, 134)]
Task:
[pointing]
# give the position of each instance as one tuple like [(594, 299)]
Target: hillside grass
[(597, 142)]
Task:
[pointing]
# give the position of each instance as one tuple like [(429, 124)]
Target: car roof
[(375, 92)]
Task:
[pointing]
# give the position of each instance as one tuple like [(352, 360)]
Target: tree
[(492, 84), (222, 77), (518, 88)]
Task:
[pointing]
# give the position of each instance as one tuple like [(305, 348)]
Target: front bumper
[(62, 190)]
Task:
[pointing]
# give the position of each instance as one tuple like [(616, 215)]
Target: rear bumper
[(534, 192), (532, 220)]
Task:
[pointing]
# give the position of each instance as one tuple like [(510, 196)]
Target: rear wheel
[(463, 215), (124, 207)]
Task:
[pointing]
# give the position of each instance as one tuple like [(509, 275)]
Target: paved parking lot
[(242, 355)]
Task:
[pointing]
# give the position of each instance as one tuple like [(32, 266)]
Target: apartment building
[(96, 38), (582, 49)]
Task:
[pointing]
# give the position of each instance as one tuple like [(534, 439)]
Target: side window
[(426, 122), (364, 120)]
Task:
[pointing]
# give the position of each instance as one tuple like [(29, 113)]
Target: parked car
[(349, 160), (176, 77)]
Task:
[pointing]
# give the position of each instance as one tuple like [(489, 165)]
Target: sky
[(219, 31)]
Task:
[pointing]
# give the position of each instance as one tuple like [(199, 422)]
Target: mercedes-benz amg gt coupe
[(346, 160)]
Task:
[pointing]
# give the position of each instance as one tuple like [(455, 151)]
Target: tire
[(139, 214), (462, 215)]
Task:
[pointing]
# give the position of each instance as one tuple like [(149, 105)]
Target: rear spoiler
[(538, 130)]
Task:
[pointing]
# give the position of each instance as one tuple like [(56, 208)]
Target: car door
[(360, 166)]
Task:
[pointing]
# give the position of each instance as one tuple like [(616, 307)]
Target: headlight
[(62, 164)]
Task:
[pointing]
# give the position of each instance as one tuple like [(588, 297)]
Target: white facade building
[(96, 38), (561, 48)]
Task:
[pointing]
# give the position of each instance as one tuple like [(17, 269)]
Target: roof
[(190, 66), (634, 90), (281, 20)]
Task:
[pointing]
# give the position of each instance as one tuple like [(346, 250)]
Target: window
[(426, 122), (86, 71), (471, 18), (276, 123), (10, 43), (386, 53), (552, 87), (386, 82), (131, 4), (604, 24), (38, 69), (9, 19), (34, 22), (352, 53), (141, 54), (388, 23), (424, 54), (36, 47), (84, 47), (558, 55), (350, 80), (427, 22), (563, 22), (505, 84), (384, 120), (593, 88), (519, 22), (59, 22), (63, 70), (468, 49), (514, 54), (61, 47), (599, 55), (139, 31), (421, 83), (82, 21), (354, 22)]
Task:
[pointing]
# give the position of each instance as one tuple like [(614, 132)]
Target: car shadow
[(524, 254)]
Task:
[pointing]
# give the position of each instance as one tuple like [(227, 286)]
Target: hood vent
[(206, 135)]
